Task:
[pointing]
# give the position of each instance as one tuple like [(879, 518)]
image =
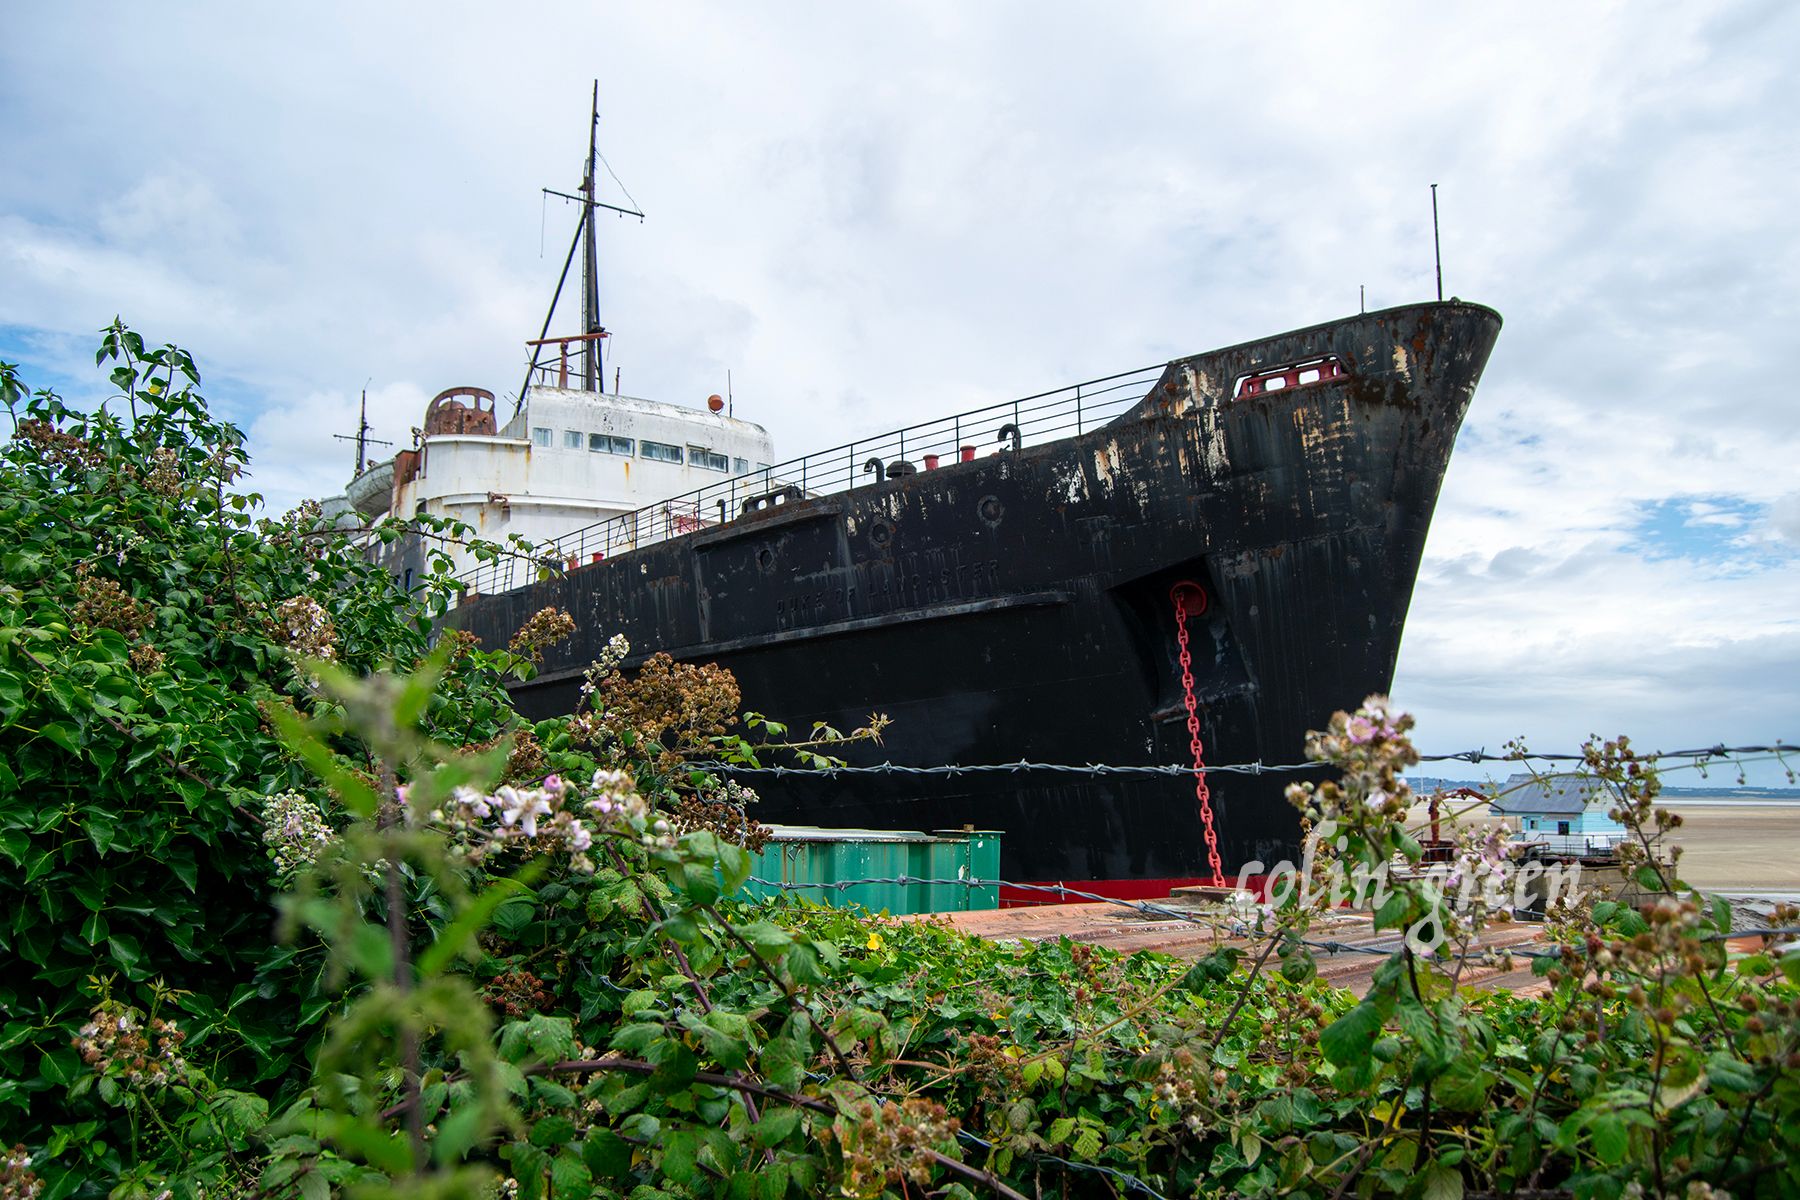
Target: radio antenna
[(1437, 252)]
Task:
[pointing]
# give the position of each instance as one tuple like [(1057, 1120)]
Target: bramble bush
[(299, 907)]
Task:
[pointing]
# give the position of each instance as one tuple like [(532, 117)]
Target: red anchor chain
[(1190, 600)]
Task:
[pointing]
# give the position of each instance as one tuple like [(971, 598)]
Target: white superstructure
[(569, 456), (566, 459)]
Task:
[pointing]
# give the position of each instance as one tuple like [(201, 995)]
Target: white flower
[(534, 808)]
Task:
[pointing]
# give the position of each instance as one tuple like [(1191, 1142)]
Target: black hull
[(1017, 606)]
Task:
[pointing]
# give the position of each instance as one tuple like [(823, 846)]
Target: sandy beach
[(1738, 848)]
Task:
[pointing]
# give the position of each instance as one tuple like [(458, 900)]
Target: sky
[(877, 214)]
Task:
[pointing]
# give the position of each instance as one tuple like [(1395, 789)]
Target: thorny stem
[(693, 978), (1537, 1090), (837, 1052), (1412, 975), (401, 946), (1244, 992), (1737, 1141)]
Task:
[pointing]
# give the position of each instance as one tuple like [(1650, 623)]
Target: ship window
[(699, 456), (606, 443), (1562, 827), (540, 435), (740, 465), (660, 451), (571, 439)]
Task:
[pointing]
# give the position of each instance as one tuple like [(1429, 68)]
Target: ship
[(1193, 562)]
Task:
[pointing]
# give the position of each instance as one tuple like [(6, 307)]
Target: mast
[(592, 370), (362, 439), (592, 334)]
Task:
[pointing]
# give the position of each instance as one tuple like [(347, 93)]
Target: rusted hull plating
[(1017, 606)]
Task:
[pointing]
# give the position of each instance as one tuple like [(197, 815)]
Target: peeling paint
[(1401, 365), (1067, 486), (1106, 463)]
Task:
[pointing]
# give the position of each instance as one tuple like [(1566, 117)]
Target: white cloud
[(871, 216)]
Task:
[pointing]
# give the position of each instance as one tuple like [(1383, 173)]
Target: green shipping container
[(811, 855)]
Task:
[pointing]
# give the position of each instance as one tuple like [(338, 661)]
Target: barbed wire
[(1178, 770), (1204, 921)]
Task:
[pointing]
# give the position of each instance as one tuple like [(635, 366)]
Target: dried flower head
[(60, 451), (891, 1143), (17, 1180), (146, 659), (118, 1042), (544, 629), (164, 475), (301, 624), (103, 604), (680, 705)]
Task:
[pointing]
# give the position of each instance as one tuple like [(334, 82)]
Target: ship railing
[(931, 445)]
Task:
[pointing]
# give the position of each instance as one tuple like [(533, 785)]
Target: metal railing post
[(1078, 410)]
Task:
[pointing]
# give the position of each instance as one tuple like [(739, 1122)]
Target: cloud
[(875, 216)]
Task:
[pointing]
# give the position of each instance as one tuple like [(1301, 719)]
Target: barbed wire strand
[(1178, 770), (1204, 921)]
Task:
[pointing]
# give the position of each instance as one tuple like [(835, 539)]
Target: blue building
[(1564, 814)]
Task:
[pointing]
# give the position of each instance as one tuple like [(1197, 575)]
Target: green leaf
[(66, 736), (776, 1126), (700, 882), (1440, 1182), (783, 1064), (765, 934), (1214, 968), (678, 1161), (93, 930), (1393, 912), (1611, 1136), (1727, 1073), (606, 1154), (734, 865), (457, 1133), (371, 950), (555, 1130), (1349, 1038), (458, 938)]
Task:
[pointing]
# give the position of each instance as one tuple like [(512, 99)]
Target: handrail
[(1043, 416)]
